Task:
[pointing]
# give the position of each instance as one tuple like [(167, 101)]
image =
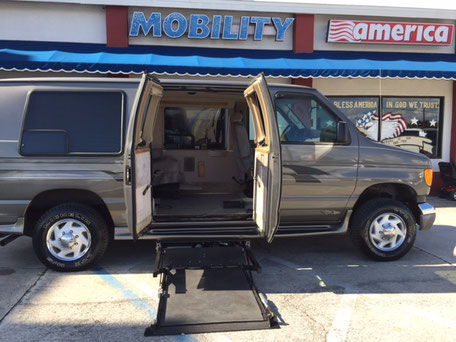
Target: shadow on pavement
[(302, 265)]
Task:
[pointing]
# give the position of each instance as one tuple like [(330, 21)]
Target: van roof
[(166, 82)]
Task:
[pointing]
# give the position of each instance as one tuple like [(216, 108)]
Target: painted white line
[(435, 318), (140, 284), (341, 323), (436, 265), (288, 264), (222, 338), (9, 141)]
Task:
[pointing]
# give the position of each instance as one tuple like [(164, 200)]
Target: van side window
[(302, 119), (73, 122)]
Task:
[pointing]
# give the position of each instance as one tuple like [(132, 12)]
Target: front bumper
[(427, 216)]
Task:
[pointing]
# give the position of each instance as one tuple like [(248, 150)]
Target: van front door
[(137, 181), (268, 163)]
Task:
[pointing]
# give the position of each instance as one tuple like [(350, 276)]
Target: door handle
[(147, 188), (128, 174)]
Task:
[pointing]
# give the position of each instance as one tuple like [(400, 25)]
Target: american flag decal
[(341, 31), (393, 125), (401, 124)]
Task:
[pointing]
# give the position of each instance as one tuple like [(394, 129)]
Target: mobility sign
[(201, 26), (380, 32)]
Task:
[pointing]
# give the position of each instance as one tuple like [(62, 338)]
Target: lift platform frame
[(208, 287)]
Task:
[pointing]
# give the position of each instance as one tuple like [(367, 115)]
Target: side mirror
[(342, 132)]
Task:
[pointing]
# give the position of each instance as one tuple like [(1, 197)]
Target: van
[(87, 160)]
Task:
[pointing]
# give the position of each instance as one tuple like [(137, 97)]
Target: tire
[(452, 195), (383, 229), (70, 237)]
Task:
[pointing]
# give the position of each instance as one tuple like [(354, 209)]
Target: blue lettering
[(181, 25), (227, 26), (281, 28), (244, 28), (199, 26), (259, 26), (216, 26), (139, 21)]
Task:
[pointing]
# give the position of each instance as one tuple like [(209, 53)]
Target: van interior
[(202, 157)]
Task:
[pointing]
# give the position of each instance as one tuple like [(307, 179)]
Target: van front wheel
[(70, 237), (384, 229)]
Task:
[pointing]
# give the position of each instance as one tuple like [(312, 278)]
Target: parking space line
[(222, 338), (435, 318), (341, 323), (133, 299), (136, 300), (288, 263), (185, 338), (143, 287)]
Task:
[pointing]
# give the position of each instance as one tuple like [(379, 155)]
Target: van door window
[(73, 122), (304, 120)]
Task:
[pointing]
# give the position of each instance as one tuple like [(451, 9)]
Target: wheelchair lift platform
[(208, 288)]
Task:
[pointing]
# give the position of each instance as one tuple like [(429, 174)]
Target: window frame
[(380, 111), (324, 105), (73, 90)]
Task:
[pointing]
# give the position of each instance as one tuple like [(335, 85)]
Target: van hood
[(376, 153)]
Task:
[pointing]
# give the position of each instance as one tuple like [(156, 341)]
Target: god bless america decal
[(368, 32)]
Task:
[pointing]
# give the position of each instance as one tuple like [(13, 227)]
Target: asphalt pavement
[(320, 288)]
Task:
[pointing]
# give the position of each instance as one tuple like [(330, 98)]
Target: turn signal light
[(428, 174)]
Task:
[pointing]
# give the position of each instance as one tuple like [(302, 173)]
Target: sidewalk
[(440, 240)]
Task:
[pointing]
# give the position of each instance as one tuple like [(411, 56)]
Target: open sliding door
[(137, 182), (268, 163)]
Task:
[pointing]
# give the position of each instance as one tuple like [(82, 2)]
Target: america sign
[(368, 32)]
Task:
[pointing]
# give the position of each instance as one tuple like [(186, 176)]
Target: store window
[(197, 128), (363, 111), (70, 122), (412, 123)]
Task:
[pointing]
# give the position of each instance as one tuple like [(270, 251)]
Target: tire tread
[(84, 210), (363, 215)]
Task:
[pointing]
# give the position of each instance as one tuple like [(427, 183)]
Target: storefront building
[(390, 70)]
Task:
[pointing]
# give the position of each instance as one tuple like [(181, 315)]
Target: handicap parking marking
[(134, 299), (128, 294), (141, 285)]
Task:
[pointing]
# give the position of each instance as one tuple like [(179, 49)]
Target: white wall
[(26, 21), (390, 8), (392, 87), (321, 29)]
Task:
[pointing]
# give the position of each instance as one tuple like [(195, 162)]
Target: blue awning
[(96, 58)]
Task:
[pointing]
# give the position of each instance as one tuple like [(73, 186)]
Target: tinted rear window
[(70, 122)]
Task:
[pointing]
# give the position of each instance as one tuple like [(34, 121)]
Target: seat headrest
[(237, 117)]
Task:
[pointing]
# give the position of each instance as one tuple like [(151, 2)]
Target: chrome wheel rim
[(387, 232), (68, 239)]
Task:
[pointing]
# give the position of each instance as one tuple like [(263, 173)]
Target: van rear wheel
[(384, 229), (70, 237)]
